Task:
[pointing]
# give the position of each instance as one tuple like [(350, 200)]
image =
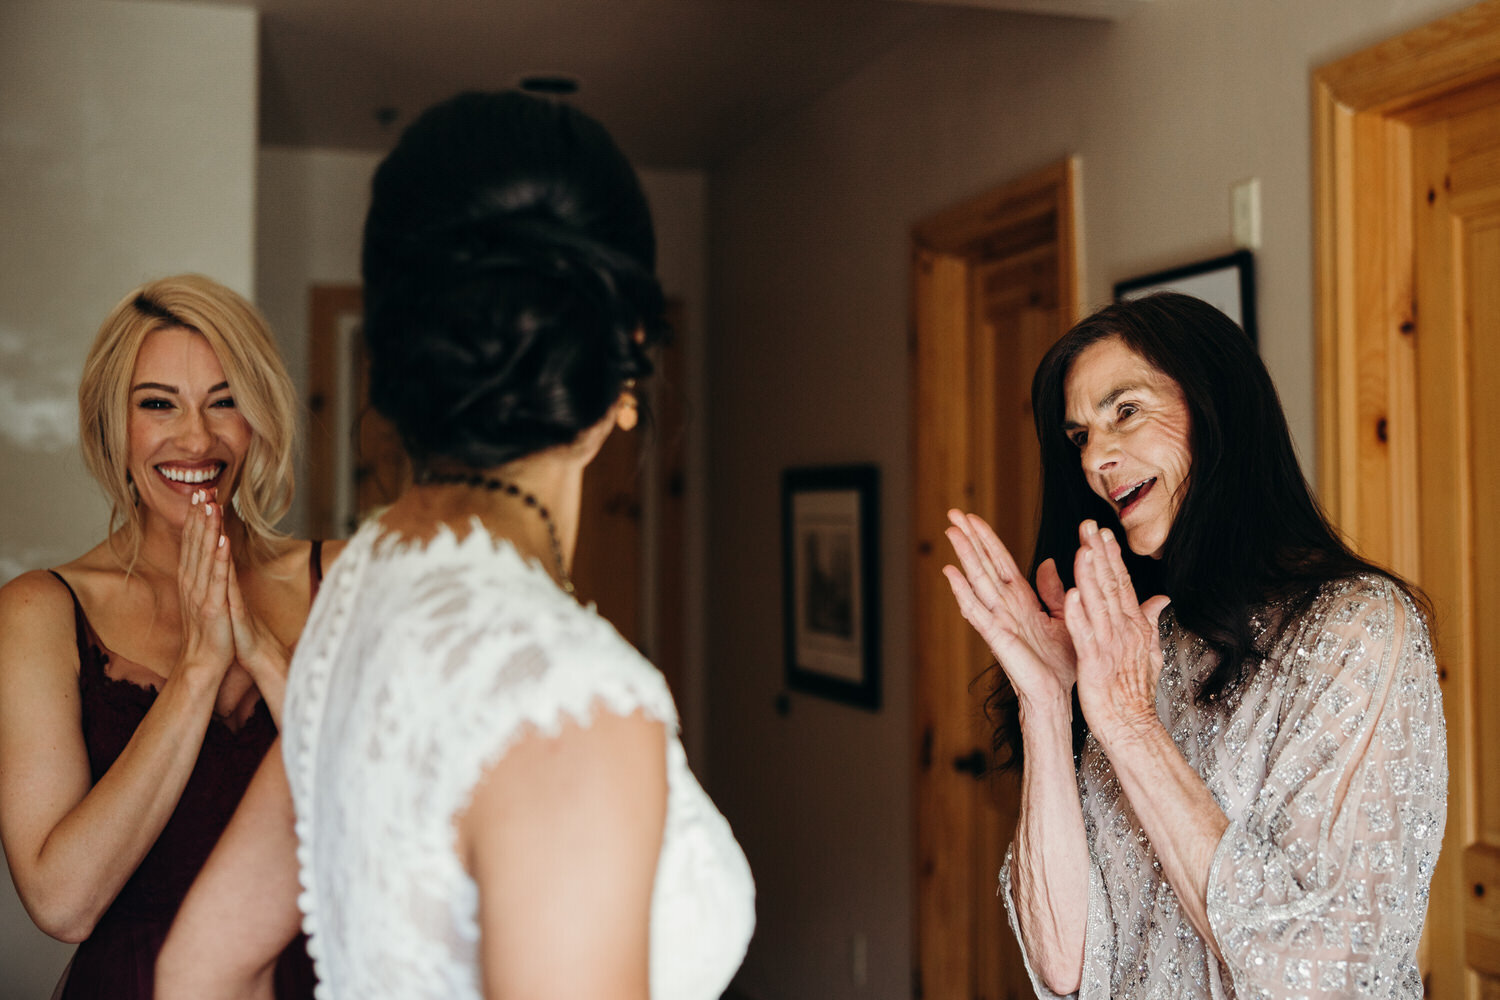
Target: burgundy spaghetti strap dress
[(118, 960)]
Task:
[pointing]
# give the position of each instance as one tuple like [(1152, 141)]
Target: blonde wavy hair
[(263, 395)]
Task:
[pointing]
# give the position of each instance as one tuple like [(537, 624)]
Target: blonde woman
[(141, 683)]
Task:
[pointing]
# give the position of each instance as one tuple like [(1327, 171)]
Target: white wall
[(809, 234), (127, 144)]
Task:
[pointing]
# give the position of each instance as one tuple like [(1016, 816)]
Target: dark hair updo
[(510, 287)]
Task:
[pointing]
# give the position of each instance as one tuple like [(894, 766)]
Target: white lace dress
[(1331, 764), (419, 667)]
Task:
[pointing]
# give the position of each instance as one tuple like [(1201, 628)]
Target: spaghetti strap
[(83, 629), (314, 569), (76, 605)]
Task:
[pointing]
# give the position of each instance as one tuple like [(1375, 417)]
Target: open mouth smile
[(195, 475), (1126, 497)]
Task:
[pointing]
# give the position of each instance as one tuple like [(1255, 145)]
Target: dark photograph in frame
[(1226, 283), (830, 529)]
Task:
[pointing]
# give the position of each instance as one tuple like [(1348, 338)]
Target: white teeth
[(1125, 499), (190, 475)]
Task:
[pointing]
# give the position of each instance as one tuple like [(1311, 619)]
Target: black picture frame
[(830, 534), (1226, 282)]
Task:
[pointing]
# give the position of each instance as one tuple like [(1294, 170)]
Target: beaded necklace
[(496, 485)]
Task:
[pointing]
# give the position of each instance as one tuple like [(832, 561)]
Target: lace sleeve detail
[(543, 663), (420, 668), (1321, 888)]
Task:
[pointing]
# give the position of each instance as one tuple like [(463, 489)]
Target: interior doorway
[(994, 284), (1408, 281)]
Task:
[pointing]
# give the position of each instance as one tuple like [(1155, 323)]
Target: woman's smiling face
[(1134, 436), (185, 433)]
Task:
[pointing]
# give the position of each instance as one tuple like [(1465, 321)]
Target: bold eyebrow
[(1104, 404), (162, 387)]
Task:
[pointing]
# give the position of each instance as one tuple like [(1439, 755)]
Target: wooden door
[(994, 284), (1409, 337), (1456, 160)]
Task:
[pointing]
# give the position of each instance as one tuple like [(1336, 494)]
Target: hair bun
[(508, 272)]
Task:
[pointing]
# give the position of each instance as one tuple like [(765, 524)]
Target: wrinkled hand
[(203, 568), (1029, 639), (1119, 647)]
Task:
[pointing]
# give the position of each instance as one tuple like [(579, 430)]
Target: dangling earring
[(629, 413)]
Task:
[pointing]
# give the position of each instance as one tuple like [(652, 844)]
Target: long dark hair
[(1248, 530), (510, 288)]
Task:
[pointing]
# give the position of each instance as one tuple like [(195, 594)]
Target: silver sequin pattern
[(1330, 762)]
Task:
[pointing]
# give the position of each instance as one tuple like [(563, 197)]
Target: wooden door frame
[(1040, 204), (327, 306), (1365, 267), (1369, 344)]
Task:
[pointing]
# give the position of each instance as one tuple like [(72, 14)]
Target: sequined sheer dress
[(420, 666), (1331, 765)]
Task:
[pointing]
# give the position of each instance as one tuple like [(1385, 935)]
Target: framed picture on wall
[(1227, 283), (830, 530)]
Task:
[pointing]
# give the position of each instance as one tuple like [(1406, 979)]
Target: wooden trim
[(1395, 76), (326, 304), (940, 346), (1363, 107), (958, 229), (1029, 224), (1389, 336), (1069, 290)]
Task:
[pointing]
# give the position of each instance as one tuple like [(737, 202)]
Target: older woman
[(141, 683), (1247, 796), (488, 791)]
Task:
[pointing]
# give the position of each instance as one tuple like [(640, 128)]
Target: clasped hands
[(1095, 635), (218, 628)]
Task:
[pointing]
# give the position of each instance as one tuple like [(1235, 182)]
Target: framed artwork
[(830, 530), (1227, 283)]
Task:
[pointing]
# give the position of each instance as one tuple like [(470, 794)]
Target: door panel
[(1408, 215), (994, 285), (1017, 320), (1456, 179), (1481, 861)]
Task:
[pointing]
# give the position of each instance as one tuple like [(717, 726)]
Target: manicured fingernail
[(1107, 535), (222, 540), (194, 498), (1090, 528)]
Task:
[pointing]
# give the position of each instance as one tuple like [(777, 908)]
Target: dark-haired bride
[(484, 794)]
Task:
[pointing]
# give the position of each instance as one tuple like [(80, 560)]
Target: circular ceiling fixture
[(550, 84)]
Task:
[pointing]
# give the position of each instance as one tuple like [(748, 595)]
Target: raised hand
[(255, 645), (203, 568), (1028, 638), (1119, 647)]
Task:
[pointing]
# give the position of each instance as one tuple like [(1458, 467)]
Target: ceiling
[(681, 83)]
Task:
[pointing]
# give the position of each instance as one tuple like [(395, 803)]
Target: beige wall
[(808, 243), (127, 145)]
